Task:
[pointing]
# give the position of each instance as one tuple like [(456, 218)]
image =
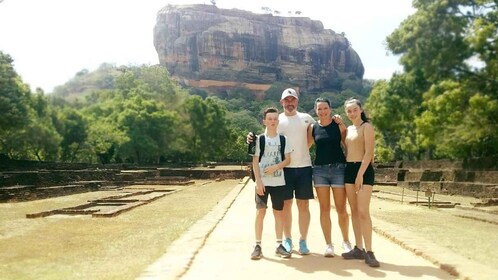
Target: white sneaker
[(329, 251), (346, 246)]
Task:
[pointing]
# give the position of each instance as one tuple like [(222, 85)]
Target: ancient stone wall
[(475, 177)]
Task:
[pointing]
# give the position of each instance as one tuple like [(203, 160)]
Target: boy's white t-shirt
[(270, 157)]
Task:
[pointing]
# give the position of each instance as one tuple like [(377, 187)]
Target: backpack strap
[(282, 146), (262, 143)]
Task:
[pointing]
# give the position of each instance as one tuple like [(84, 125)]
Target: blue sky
[(51, 40)]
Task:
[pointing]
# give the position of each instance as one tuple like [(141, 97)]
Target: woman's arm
[(344, 132), (310, 136), (369, 134)]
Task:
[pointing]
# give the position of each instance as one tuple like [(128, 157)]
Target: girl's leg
[(363, 197), (353, 204)]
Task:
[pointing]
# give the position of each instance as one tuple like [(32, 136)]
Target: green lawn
[(82, 247)]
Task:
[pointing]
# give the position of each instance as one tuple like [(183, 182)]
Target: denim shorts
[(329, 175)]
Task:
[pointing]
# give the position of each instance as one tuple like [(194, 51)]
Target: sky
[(51, 40)]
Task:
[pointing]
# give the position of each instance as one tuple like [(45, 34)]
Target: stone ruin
[(136, 185), (25, 181), (466, 178), (475, 178)]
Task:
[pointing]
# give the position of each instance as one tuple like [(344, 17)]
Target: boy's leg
[(261, 202), (277, 198), (261, 205), (258, 224), (277, 195), (279, 229)]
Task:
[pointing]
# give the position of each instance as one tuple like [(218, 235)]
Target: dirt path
[(225, 253)]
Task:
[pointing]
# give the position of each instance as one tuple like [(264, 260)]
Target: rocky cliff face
[(205, 46)]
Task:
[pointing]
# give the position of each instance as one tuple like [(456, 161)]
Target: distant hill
[(84, 82)]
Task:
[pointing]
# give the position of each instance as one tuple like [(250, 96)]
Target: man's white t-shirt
[(295, 128), (271, 156)]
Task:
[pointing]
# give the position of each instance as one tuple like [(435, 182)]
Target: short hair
[(322, 99), (269, 110)]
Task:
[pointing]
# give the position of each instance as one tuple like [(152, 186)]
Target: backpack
[(262, 150)]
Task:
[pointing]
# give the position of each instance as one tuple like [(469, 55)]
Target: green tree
[(209, 128), (72, 126), (42, 139), (140, 116), (14, 98), (26, 128), (104, 138), (393, 107), (37, 139), (448, 51), (149, 127)]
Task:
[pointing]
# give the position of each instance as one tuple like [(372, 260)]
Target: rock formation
[(207, 47)]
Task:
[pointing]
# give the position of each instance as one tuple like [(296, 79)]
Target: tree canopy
[(443, 105)]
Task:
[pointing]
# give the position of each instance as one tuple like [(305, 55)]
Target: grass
[(82, 247), (473, 239)]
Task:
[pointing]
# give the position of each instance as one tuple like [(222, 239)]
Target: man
[(298, 174)]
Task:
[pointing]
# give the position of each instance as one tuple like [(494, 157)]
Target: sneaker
[(354, 254), (370, 259), (346, 246), (280, 251), (303, 248), (329, 251), (256, 254), (288, 244)]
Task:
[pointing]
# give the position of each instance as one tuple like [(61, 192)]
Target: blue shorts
[(329, 175), (298, 182), (352, 171)]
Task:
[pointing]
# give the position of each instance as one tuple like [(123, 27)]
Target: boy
[(269, 175)]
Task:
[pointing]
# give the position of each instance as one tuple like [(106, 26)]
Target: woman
[(359, 179), (328, 171)]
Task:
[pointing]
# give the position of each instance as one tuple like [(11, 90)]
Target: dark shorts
[(352, 170), (298, 183), (277, 198)]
